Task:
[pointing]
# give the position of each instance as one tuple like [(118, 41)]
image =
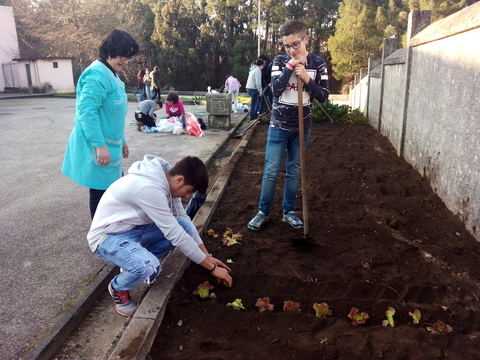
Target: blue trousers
[(137, 252), (279, 141)]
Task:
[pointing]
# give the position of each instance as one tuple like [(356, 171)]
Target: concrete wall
[(43, 72), (8, 44), (426, 102), (443, 114), (391, 124)]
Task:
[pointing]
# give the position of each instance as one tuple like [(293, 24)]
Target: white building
[(9, 76), (35, 74), (46, 74)]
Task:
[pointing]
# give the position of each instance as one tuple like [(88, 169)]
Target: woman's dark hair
[(194, 172), (141, 73), (118, 43), (173, 97), (264, 57)]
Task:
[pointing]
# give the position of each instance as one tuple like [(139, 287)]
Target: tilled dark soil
[(380, 238)]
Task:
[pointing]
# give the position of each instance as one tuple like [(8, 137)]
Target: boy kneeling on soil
[(140, 218)]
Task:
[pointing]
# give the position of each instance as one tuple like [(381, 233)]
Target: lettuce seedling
[(203, 290), (441, 327), (229, 238), (390, 312), (263, 304), (237, 304), (290, 305), (416, 316), (211, 233), (322, 309), (357, 317)]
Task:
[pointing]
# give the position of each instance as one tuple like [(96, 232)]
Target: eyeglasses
[(129, 59), (294, 45)]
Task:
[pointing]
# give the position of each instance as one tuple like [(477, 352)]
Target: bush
[(338, 113)]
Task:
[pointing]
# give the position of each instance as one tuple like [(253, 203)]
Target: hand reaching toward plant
[(223, 274), (219, 270)]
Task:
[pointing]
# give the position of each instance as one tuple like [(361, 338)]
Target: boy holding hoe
[(283, 133), (140, 218)]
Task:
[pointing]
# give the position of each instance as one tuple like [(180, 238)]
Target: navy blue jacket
[(285, 94)]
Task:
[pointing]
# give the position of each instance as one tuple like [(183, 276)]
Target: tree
[(357, 38), (364, 23), (75, 28)]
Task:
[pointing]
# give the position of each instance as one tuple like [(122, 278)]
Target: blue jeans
[(267, 96), (137, 252), (148, 92), (277, 142), (255, 103), (141, 96)]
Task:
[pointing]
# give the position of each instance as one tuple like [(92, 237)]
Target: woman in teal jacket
[(97, 143)]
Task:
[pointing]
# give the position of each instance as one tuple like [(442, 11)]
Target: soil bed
[(382, 238)]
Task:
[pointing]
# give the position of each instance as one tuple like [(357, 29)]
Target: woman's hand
[(103, 155), (126, 152)]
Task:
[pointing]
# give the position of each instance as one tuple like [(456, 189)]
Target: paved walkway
[(44, 258)]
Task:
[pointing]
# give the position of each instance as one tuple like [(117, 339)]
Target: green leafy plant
[(237, 304), (290, 305), (416, 316), (322, 309), (203, 290), (263, 304), (329, 111), (390, 312), (229, 238), (357, 317)]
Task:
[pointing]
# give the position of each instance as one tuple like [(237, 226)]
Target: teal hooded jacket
[(99, 121)]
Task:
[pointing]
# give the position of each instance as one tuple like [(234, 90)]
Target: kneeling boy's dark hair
[(194, 171)]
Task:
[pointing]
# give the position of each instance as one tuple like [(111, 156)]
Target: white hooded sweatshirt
[(139, 198)]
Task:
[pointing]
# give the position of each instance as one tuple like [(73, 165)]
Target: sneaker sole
[(294, 226), (253, 228)]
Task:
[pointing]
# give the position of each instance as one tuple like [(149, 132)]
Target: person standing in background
[(266, 82), (147, 81), (93, 157), (141, 84), (254, 88), (232, 86), (155, 76)]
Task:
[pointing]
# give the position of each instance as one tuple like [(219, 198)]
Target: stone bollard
[(219, 109)]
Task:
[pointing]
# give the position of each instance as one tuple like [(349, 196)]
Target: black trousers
[(95, 196), (157, 92), (145, 119)]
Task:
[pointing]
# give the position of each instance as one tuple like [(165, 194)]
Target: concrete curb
[(56, 334), (48, 342), (138, 336)]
